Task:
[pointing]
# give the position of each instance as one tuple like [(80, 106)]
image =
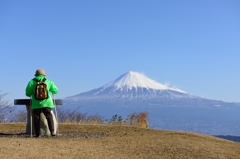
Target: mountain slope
[(168, 107)]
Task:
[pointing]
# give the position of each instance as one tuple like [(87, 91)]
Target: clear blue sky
[(193, 45)]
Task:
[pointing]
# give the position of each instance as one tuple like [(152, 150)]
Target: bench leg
[(28, 126)]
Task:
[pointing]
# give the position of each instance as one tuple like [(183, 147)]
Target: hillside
[(109, 141)]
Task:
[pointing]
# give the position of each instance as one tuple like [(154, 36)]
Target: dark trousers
[(49, 117)]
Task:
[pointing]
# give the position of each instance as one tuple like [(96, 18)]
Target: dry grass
[(138, 119), (127, 142)]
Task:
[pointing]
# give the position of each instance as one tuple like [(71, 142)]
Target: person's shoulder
[(49, 80), (31, 80)]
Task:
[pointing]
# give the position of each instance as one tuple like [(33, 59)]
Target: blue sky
[(82, 45)]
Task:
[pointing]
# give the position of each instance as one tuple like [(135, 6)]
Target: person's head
[(40, 72)]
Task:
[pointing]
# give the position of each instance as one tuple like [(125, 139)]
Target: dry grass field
[(113, 142)]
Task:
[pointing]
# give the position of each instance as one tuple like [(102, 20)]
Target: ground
[(113, 141)]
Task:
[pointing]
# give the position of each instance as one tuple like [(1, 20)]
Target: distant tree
[(5, 109), (116, 120)]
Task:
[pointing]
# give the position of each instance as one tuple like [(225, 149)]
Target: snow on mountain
[(132, 85), (135, 80)]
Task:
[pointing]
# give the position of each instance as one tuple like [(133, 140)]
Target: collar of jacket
[(39, 77)]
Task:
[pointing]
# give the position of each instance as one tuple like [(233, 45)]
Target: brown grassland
[(122, 142)]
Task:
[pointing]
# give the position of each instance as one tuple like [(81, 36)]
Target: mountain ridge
[(134, 85), (168, 107)]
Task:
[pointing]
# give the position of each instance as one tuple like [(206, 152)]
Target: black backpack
[(41, 91)]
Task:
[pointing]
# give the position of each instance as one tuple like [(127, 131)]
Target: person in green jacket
[(44, 105)]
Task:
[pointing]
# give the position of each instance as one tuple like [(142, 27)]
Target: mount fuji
[(169, 107)]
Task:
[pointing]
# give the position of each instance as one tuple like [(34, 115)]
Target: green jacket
[(30, 90)]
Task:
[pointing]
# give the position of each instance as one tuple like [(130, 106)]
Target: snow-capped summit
[(135, 80), (132, 85)]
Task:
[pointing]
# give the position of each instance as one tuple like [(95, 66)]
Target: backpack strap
[(44, 79)]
